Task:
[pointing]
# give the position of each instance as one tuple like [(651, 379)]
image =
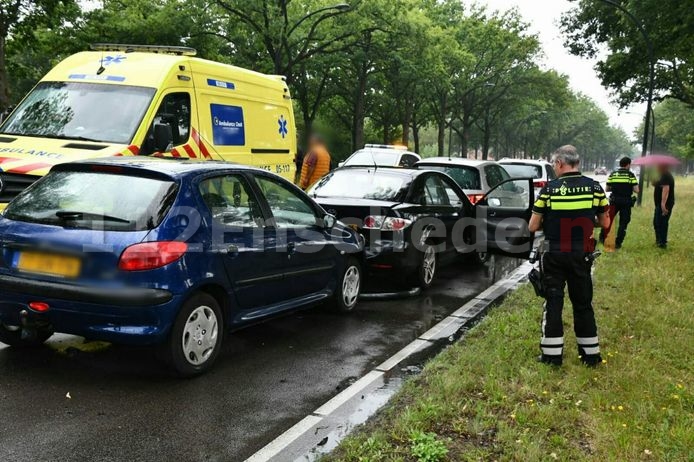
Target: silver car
[(475, 177)]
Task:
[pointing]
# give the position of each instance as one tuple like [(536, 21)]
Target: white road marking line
[(394, 360), (285, 439)]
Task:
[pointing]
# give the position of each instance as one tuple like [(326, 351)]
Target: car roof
[(170, 167), (382, 150), (524, 161), (407, 172), (455, 161)]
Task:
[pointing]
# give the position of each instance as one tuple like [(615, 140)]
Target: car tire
[(13, 337), (348, 287), (425, 274), (196, 336)]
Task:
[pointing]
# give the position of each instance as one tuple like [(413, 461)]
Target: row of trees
[(437, 75)]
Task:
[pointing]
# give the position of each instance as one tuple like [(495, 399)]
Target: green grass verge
[(486, 398)]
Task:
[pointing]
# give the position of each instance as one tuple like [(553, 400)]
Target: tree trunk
[(406, 119), (441, 125), (465, 139), (415, 137), (386, 133), (4, 81), (486, 139)]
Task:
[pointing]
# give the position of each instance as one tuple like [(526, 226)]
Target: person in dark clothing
[(566, 209), (664, 199), (623, 184)]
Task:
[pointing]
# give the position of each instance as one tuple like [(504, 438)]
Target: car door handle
[(491, 213)]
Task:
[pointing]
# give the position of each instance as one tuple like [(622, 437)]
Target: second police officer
[(623, 184), (566, 209)]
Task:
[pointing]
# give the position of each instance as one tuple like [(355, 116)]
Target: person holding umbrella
[(664, 198), (663, 194)]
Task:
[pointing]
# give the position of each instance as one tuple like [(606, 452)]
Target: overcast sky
[(544, 17)]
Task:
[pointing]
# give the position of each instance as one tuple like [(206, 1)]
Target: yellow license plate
[(54, 265)]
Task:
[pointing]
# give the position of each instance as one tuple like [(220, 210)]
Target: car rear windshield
[(523, 170), (94, 200), (466, 177), (361, 184), (366, 157)]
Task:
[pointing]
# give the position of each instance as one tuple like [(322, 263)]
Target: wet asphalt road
[(124, 406)]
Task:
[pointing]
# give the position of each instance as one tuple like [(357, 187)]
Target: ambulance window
[(174, 111)]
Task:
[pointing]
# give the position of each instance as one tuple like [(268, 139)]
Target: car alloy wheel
[(199, 338), (350, 286), (428, 265)]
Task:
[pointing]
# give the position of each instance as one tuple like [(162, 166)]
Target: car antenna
[(373, 159), (101, 64)]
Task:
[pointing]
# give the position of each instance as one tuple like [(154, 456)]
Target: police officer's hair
[(567, 155), (624, 161)]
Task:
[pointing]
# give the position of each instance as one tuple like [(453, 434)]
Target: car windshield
[(523, 170), (81, 111), (360, 184), (466, 177), (94, 200), (380, 157)]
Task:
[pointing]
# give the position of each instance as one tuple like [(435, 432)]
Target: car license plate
[(51, 264)]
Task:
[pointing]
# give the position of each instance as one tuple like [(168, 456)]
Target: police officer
[(566, 208), (622, 183)]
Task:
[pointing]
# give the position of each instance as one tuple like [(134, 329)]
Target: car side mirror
[(494, 202), (329, 221), (163, 137)]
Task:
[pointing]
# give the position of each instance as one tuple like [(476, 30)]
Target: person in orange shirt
[(316, 162)]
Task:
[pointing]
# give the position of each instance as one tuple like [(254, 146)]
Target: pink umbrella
[(656, 159)]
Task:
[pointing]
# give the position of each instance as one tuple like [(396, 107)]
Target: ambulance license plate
[(50, 264)]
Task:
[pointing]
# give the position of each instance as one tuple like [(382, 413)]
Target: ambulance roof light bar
[(161, 49)]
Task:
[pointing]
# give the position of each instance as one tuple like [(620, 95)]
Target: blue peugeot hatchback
[(173, 253)]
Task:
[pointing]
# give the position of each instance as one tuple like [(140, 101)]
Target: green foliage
[(439, 76), (669, 25), (427, 448), (674, 128)]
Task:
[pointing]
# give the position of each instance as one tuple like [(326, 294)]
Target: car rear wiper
[(75, 215)]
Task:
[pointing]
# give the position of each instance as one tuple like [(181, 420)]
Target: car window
[(435, 191), (95, 200), (521, 170), (453, 198), (495, 175), (174, 111), (379, 184), (289, 207), (512, 194), (466, 177), (231, 201), (408, 160)]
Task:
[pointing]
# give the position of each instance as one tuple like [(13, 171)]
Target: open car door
[(504, 213)]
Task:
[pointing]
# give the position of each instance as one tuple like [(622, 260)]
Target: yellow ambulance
[(130, 100)]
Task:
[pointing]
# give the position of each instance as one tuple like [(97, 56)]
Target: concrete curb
[(315, 423)]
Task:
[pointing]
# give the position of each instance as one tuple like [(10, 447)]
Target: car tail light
[(475, 198), (41, 307), (386, 223), (151, 255), (539, 184)]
